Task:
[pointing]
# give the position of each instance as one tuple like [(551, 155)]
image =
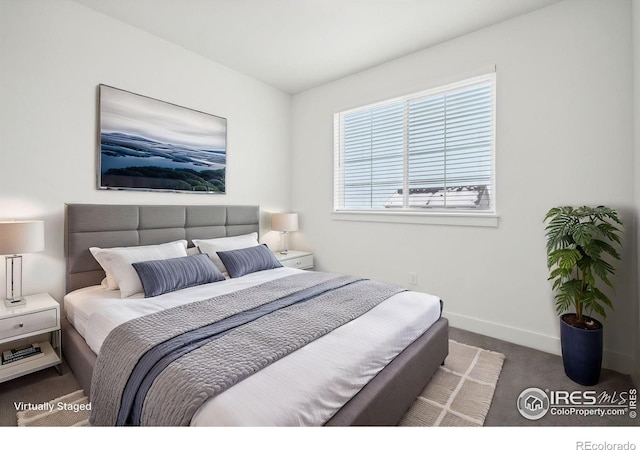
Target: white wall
[(564, 136), (53, 55)]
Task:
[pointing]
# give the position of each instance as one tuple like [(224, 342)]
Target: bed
[(333, 380)]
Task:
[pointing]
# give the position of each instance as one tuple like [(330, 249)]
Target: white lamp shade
[(284, 222), (21, 237)]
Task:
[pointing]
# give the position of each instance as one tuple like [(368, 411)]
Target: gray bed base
[(383, 401)]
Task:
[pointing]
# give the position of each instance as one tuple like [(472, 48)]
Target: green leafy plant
[(579, 240)]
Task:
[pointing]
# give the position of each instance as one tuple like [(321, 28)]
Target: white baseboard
[(619, 362)]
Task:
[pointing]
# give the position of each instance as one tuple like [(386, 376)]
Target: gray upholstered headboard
[(106, 226)]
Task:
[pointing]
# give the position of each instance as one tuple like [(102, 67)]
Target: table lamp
[(20, 236), (284, 222)]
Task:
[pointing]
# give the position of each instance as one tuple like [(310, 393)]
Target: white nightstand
[(40, 315), (296, 258)]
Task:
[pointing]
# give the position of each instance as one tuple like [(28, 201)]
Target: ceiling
[(295, 45)]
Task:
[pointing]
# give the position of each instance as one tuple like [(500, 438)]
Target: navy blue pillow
[(168, 275), (248, 260)]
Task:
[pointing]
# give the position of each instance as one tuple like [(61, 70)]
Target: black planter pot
[(581, 352)]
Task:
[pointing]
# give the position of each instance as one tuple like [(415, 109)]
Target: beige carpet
[(460, 392)]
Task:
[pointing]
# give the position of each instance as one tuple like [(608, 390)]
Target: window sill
[(459, 219)]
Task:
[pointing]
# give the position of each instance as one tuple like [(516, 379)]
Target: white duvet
[(306, 387)]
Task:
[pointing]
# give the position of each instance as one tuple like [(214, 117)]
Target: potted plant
[(580, 245)]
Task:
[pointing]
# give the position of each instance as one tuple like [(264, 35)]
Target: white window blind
[(431, 151)]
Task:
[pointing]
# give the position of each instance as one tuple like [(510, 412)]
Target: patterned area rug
[(460, 392)]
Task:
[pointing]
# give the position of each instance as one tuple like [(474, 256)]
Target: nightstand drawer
[(28, 323), (302, 262)]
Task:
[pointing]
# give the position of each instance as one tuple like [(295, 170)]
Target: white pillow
[(212, 246), (117, 261)]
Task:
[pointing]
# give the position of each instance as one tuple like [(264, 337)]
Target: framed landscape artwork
[(151, 145)]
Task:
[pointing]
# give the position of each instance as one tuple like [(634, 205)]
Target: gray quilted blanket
[(159, 369)]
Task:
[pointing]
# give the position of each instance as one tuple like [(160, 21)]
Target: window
[(428, 152)]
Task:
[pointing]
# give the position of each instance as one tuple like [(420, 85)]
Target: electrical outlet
[(413, 278)]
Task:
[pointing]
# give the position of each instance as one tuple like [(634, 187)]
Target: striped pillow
[(248, 260), (168, 275)]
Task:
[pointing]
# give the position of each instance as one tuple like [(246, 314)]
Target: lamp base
[(14, 278), (285, 243), (10, 302)]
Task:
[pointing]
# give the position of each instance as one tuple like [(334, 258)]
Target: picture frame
[(151, 145)]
